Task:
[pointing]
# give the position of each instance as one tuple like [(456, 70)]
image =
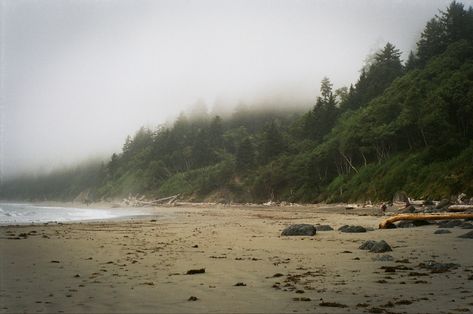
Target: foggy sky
[(79, 76)]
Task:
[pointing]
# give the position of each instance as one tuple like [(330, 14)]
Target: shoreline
[(141, 265), (159, 211)]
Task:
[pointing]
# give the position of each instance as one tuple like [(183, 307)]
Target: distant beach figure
[(383, 208)]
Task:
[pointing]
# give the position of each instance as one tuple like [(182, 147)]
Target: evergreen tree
[(432, 41), (320, 120), (384, 67), (216, 132), (245, 156), (272, 143), (411, 62), (326, 89), (453, 24)]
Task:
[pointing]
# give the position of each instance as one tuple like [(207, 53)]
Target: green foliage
[(245, 156), (377, 75), (453, 24)]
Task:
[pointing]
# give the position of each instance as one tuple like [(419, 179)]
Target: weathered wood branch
[(459, 208), (348, 160), (136, 201), (387, 222)]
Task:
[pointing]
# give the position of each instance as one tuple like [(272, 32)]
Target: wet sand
[(140, 265)]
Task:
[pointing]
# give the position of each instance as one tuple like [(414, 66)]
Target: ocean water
[(14, 213)]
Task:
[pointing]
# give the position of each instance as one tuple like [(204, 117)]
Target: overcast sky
[(78, 76)]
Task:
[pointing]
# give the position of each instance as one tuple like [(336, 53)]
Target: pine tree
[(384, 67), (272, 143), (216, 132), (245, 156), (411, 62)]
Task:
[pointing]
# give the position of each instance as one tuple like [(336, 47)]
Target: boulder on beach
[(381, 247), (367, 245), (299, 230), (376, 246), (352, 229), (323, 228)]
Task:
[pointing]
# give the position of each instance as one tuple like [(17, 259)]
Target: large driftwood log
[(459, 208), (387, 222)]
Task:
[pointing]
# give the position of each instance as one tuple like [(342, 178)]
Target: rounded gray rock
[(381, 247), (367, 245), (299, 230), (352, 229)]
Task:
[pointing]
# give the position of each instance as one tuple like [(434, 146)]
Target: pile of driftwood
[(385, 224), (141, 201), (459, 208)]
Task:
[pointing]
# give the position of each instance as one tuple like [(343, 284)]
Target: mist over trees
[(400, 126)]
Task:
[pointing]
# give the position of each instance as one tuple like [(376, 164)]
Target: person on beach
[(383, 208)]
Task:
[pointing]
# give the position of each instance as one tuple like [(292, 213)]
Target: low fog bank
[(78, 77), (274, 101)]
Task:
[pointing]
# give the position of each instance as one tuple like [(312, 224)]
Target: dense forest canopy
[(401, 126)]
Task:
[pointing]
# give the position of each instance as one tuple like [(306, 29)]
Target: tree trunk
[(387, 222)]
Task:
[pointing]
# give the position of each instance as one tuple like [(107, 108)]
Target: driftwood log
[(136, 201), (387, 222), (459, 208)]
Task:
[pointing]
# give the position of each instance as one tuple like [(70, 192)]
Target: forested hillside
[(401, 126)]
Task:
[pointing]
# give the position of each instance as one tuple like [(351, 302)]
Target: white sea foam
[(14, 213)]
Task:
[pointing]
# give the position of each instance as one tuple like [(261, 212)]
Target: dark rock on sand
[(299, 230), (352, 229), (332, 304), (192, 298), (412, 223), (367, 245), (442, 231), (468, 235), (375, 246), (240, 284), (195, 271), (302, 299), (323, 228), (381, 247), (435, 267), (450, 223)]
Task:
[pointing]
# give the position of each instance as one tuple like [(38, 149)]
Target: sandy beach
[(140, 265)]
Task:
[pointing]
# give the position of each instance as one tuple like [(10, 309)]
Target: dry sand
[(140, 265)]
